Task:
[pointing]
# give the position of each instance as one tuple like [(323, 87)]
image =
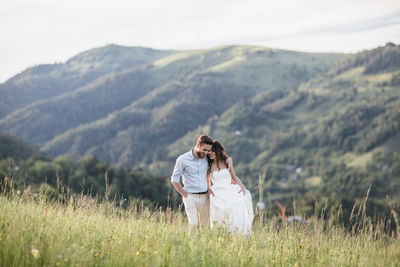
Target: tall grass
[(36, 231)]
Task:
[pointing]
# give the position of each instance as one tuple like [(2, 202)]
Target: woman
[(230, 202)]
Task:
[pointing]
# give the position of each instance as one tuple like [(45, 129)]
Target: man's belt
[(200, 193)]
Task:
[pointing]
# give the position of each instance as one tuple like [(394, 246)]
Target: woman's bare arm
[(209, 191), (236, 179)]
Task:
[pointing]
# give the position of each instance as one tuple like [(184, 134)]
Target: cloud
[(361, 25), (45, 31)]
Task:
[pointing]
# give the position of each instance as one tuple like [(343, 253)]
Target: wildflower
[(59, 256), (18, 192), (130, 233), (137, 253), (90, 218), (35, 253), (58, 263), (96, 254), (155, 252)]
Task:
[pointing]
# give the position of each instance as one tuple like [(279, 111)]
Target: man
[(192, 167)]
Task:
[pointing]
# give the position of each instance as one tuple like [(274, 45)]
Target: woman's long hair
[(220, 155)]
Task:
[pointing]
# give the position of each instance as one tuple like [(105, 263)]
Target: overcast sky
[(47, 31)]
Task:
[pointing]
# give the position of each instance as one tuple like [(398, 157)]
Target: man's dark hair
[(204, 139)]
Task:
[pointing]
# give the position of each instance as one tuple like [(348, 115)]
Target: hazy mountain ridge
[(128, 117), (50, 80)]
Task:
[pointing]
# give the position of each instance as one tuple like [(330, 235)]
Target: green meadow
[(36, 231)]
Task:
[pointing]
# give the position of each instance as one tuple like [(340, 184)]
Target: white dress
[(228, 208)]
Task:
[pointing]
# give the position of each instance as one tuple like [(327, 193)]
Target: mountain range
[(290, 116), (124, 105)]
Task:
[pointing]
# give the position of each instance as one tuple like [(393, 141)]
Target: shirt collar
[(191, 154)]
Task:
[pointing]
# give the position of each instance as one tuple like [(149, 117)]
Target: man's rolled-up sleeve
[(176, 175)]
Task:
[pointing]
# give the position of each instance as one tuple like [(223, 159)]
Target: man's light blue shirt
[(193, 172)]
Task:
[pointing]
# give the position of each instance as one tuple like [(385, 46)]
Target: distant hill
[(125, 105), (51, 80), (14, 147)]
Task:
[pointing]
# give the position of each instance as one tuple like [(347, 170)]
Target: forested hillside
[(336, 134), (138, 101), (48, 81), (308, 124), (25, 169), (14, 147)]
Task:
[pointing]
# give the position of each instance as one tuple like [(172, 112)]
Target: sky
[(36, 32)]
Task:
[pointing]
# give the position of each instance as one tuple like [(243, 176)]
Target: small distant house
[(238, 133)]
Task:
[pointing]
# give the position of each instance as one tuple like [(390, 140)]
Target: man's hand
[(180, 189)]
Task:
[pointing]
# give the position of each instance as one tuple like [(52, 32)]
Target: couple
[(212, 192)]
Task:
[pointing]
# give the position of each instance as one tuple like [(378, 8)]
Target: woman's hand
[(210, 192), (243, 189)]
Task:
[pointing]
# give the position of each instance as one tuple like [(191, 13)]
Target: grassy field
[(38, 232)]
